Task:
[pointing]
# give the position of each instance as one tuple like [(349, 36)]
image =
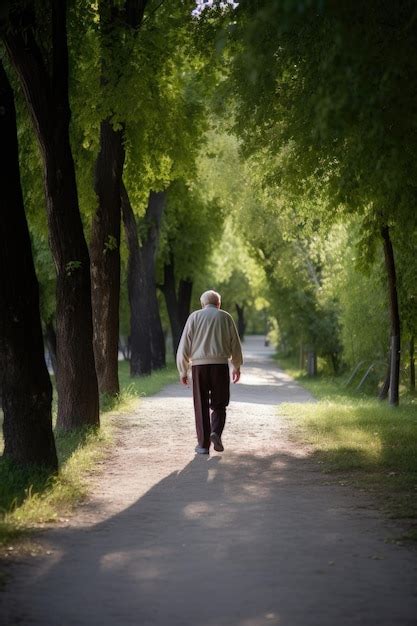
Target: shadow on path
[(240, 540)]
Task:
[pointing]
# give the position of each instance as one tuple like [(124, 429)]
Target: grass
[(372, 444), (31, 497)]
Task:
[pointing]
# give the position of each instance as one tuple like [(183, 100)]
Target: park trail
[(256, 536)]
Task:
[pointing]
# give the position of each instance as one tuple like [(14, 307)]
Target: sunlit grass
[(372, 442), (30, 497)]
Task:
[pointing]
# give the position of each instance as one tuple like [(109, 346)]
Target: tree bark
[(412, 366), (25, 386), (383, 392), (395, 343), (241, 323), (185, 289), (152, 223), (105, 242), (140, 338), (48, 103), (105, 258), (312, 363), (50, 341)]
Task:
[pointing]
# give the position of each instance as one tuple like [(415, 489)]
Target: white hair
[(210, 297)]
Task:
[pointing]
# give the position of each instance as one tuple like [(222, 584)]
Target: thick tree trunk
[(185, 290), (152, 223), (241, 323), (25, 386), (412, 366), (105, 258), (48, 103), (170, 295), (50, 341), (394, 317), (140, 337)]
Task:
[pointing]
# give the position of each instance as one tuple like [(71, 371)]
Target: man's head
[(210, 297)]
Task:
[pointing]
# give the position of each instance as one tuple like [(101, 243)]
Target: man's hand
[(184, 380), (235, 376)]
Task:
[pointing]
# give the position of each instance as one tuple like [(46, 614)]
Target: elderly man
[(208, 341)]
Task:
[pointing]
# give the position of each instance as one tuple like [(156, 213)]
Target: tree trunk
[(50, 341), (312, 363), (152, 222), (170, 295), (140, 338), (25, 386), (185, 289), (412, 366), (394, 317), (335, 362), (105, 242), (301, 356), (105, 258), (383, 392), (241, 323), (48, 103)]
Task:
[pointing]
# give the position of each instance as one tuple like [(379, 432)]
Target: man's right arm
[(184, 353)]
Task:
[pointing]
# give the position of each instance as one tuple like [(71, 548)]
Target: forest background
[(156, 149)]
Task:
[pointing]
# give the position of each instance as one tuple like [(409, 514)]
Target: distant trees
[(191, 225), (329, 111)]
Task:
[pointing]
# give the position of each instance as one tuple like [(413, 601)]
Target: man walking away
[(208, 341)]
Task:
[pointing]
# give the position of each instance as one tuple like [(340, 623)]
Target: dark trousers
[(211, 391)]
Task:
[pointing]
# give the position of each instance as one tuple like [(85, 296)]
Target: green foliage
[(190, 228), (325, 114), (71, 267), (149, 83), (359, 294)]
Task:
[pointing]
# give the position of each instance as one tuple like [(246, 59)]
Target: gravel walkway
[(255, 536)]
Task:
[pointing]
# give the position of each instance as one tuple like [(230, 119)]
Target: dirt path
[(253, 537)]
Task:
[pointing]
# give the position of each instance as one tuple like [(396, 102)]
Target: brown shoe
[(217, 442)]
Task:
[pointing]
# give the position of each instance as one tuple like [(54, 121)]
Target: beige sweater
[(209, 336)]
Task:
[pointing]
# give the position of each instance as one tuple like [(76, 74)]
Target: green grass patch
[(371, 443), (30, 497), (145, 385)]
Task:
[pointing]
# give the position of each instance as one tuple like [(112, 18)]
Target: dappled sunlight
[(358, 433), (210, 510)]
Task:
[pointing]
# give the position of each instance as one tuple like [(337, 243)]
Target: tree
[(117, 23), (316, 87), (25, 387), (41, 64), (192, 223), (147, 340)]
